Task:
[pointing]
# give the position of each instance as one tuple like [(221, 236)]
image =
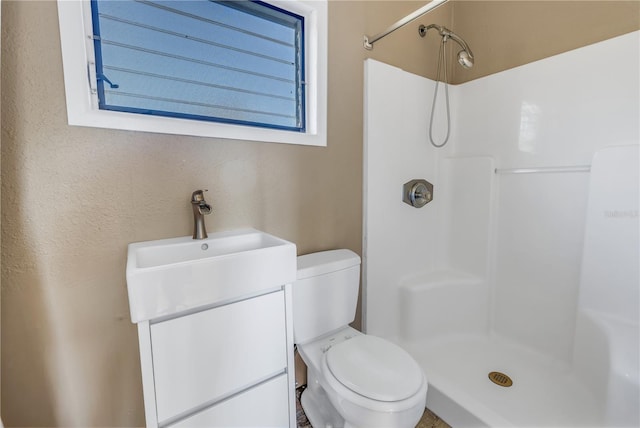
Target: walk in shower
[(526, 262)]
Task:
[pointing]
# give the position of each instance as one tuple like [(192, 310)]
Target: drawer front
[(266, 405), (202, 357)]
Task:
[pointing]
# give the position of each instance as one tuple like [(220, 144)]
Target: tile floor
[(428, 420), (431, 420)]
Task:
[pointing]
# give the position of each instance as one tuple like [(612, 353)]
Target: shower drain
[(500, 379)]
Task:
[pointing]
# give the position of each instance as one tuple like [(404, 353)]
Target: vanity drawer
[(203, 357), (266, 405)]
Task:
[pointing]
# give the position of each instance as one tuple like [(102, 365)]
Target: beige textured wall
[(72, 198), (502, 34), (505, 34), (0, 198)]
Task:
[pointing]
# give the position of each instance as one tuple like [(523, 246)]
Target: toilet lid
[(375, 368)]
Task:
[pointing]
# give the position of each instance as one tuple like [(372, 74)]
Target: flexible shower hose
[(441, 61)]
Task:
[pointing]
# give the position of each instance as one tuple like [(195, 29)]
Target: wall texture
[(73, 198), (506, 34)]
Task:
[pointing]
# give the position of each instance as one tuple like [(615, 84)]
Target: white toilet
[(353, 379)]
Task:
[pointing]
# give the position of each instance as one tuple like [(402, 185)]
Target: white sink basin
[(178, 274)]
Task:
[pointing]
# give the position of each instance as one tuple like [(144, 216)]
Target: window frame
[(76, 30)]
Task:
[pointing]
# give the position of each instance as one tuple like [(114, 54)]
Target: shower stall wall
[(511, 267)]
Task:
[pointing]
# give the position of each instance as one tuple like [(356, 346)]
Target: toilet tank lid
[(323, 262)]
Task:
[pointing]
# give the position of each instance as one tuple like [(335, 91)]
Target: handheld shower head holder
[(465, 56)]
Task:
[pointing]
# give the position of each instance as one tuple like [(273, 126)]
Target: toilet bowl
[(353, 379)]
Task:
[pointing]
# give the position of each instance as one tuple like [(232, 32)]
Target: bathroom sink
[(173, 275)]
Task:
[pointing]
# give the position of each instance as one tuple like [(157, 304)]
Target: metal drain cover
[(500, 379)]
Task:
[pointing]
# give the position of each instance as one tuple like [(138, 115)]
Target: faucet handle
[(198, 196)]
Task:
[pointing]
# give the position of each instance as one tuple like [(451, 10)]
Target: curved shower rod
[(369, 41)]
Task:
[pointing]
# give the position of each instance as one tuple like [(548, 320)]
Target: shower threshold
[(545, 392)]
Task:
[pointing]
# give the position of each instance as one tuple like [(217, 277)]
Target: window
[(198, 59), (232, 69)]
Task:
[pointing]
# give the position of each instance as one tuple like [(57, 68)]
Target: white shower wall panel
[(554, 112), (399, 238), (540, 227), (465, 186)]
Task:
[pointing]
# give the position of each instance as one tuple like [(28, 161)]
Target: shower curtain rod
[(369, 41)]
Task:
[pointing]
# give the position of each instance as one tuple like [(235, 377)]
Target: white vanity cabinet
[(226, 365), (215, 329)]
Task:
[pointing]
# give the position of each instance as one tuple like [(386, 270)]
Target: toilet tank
[(325, 294)]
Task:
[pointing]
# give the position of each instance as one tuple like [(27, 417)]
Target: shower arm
[(448, 34), (369, 41)]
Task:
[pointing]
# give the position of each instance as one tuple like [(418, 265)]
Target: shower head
[(465, 56), (465, 59)]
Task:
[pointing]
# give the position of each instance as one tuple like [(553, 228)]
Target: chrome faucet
[(200, 209)]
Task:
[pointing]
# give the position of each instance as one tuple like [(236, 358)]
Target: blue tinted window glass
[(236, 61)]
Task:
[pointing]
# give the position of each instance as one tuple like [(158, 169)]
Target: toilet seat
[(375, 368), (389, 374)]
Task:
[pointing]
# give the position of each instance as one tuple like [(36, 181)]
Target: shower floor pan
[(545, 392)]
